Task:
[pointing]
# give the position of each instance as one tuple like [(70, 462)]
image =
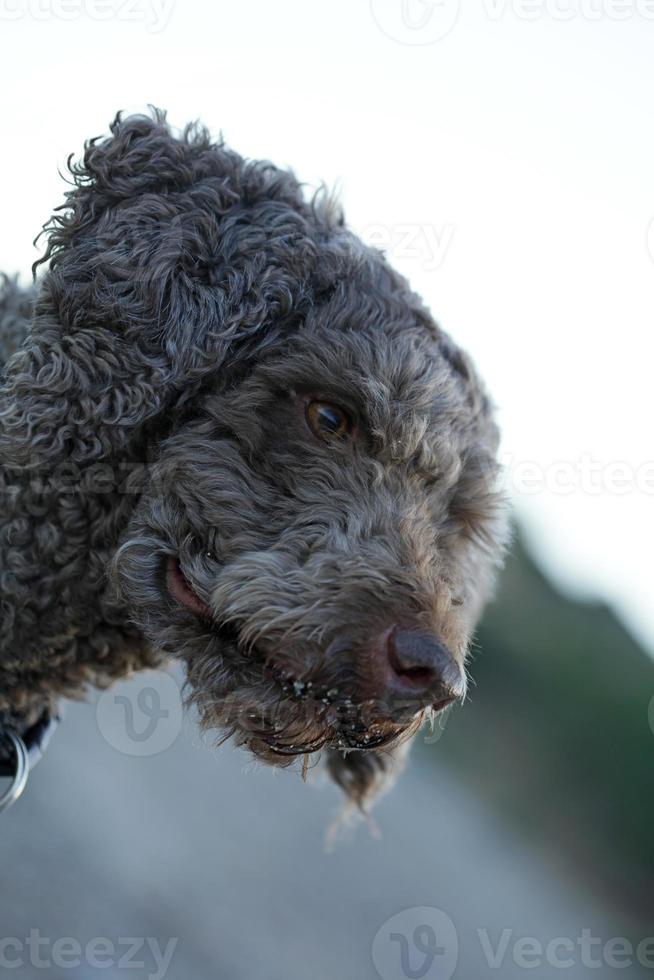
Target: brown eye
[(328, 422)]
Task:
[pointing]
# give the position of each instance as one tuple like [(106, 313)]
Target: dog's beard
[(279, 715)]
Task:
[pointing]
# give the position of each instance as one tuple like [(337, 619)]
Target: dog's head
[(319, 522)]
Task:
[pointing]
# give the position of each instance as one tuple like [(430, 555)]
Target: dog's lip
[(437, 706), (181, 591)]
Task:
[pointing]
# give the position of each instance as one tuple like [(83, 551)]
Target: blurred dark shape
[(556, 731)]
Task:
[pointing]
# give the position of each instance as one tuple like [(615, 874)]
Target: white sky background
[(517, 150)]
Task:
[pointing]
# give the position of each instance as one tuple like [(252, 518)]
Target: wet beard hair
[(264, 707)]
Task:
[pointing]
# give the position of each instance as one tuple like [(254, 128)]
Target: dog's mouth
[(334, 717)]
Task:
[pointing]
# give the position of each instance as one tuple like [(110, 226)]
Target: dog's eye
[(327, 421)]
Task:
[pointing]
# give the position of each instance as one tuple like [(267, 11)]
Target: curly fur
[(149, 410)]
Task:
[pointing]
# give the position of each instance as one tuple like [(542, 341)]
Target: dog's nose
[(420, 666)]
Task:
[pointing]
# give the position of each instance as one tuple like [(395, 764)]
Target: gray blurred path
[(196, 845)]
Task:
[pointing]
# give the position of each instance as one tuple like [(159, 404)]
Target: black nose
[(420, 666)]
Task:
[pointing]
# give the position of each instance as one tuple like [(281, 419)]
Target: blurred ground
[(188, 844)]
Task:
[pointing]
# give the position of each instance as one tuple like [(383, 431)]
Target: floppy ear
[(168, 253)]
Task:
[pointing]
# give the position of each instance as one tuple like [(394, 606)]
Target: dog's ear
[(170, 252)]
